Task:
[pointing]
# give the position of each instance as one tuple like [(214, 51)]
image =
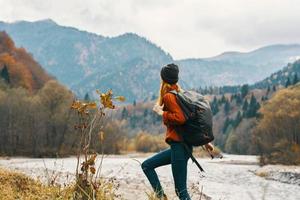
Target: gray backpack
[(197, 130)]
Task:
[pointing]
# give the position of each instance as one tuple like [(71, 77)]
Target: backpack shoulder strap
[(173, 92)]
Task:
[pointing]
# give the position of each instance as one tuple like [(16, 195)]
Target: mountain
[(231, 68), (18, 68), (130, 64)]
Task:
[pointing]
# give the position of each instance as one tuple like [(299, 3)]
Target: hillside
[(130, 64), (286, 76), (235, 121), (18, 68)]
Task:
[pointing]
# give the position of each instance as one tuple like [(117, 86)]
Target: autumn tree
[(277, 134), (23, 70)]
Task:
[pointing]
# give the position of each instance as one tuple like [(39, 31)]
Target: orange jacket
[(172, 115)]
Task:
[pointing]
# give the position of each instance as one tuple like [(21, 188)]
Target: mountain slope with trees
[(289, 75), (18, 68)]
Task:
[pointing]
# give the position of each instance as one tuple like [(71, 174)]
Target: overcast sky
[(184, 28)]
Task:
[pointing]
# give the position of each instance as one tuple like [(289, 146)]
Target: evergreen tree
[(253, 107), (210, 90), (214, 106), (124, 113), (153, 97), (205, 90), (238, 119), (239, 99), (5, 74), (232, 97), (227, 107), (268, 90), (215, 100), (145, 112), (244, 90), (245, 105), (288, 82), (266, 98), (134, 103), (87, 97), (223, 99), (295, 80), (274, 88), (227, 123)]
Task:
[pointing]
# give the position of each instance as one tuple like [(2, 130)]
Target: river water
[(230, 178)]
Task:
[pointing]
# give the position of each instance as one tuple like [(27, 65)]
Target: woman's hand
[(209, 147), (158, 109)]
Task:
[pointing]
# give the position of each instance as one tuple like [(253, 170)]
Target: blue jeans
[(178, 157)]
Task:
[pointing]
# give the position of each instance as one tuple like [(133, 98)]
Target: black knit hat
[(169, 73)]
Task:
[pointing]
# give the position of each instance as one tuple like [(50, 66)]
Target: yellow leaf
[(75, 104), (92, 105), (91, 160), (106, 99), (120, 98), (93, 170)]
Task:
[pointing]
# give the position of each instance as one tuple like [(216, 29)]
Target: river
[(230, 178)]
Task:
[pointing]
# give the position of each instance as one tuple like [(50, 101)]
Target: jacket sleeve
[(173, 113)]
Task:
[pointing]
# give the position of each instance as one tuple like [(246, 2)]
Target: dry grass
[(15, 185), (262, 174)]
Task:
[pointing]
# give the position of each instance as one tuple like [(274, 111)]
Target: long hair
[(165, 88)]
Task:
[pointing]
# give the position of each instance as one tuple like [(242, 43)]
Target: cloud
[(184, 28)]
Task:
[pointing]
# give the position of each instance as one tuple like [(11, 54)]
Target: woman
[(176, 155)]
